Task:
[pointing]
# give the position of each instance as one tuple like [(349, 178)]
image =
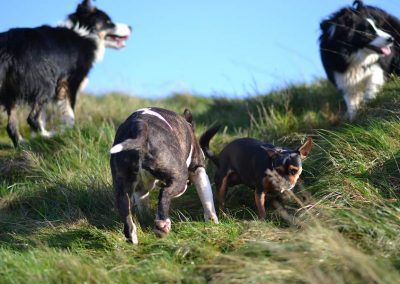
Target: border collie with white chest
[(51, 63), (359, 48)]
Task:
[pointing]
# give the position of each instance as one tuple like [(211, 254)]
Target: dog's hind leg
[(123, 194), (175, 188), (37, 117), (12, 126), (222, 186)]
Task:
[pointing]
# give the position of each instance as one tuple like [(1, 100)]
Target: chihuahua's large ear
[(188, 116), (305, 149)]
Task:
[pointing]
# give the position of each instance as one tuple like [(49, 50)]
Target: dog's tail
[(132, 143), (205, 143)]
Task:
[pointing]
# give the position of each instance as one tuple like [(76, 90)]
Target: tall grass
[(58, 223)]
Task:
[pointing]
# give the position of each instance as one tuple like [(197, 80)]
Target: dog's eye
[(293, 172)]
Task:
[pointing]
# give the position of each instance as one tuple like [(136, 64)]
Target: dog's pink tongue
[(386, 50)]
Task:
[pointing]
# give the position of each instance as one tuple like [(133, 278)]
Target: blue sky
[(209, 47)]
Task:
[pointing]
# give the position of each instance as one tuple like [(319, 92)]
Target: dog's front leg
[(353, 99), (64, 105), (67, 113), (163, 222), (203, 187), (42, 125), (374, 84), (260, 203)]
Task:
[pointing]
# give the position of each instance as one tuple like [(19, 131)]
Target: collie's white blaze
[(122, 30), (153, 113), (189, 159), (203, 187), (381, 41)]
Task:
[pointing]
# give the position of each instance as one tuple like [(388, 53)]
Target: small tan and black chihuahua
[(268, 169)]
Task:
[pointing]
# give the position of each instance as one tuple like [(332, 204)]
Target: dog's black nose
[(390, 39), (130, 28)]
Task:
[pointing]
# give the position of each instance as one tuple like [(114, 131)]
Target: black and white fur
[(359, 48), (153, 147), (51, 63)]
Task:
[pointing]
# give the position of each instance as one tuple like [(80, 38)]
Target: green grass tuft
[(58, 223)]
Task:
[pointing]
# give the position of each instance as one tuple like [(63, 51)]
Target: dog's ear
[(85, 6), (271, 152), (328, 27), (358, 5), (324, 25), (305, 149), (188, 116)]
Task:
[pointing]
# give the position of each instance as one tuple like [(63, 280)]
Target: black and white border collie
[(51, 63), (359, 47)]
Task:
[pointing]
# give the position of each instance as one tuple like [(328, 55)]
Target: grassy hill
[(58, 222)]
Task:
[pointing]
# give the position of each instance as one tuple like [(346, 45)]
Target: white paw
[(211, 217), (134, 239), (48, 134)]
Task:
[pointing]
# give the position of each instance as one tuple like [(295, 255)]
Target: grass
[(58, 223)]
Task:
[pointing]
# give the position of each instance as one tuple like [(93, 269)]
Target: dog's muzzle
[(118, 36)]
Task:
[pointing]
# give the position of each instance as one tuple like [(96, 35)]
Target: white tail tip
[(116, 149)]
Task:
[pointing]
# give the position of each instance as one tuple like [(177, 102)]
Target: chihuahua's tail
[(205, 143), (136, 143)]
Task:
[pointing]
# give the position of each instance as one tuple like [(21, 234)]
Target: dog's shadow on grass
[(239, 205), (26, 214), (31, 206), (6, 146)]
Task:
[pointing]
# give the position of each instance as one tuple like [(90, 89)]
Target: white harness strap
[(189, 159), (156, 114)]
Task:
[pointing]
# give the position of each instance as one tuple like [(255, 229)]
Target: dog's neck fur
[(84, 32)]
